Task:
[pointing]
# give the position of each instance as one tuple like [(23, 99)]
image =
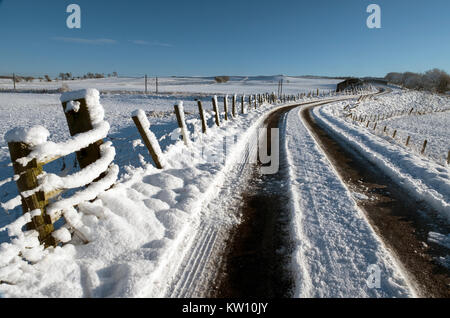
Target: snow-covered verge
[(425, 179), (27, 110), (136, 229), (419, 115), (336, 252)]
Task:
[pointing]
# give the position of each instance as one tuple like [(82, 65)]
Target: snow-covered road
[(336, 249)]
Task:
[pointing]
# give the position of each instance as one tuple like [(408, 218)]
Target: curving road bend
[(257, 256)]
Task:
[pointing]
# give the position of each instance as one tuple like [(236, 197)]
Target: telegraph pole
[(145, 84)]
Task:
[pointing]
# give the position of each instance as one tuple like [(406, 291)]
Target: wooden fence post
[(448, 158), (233, 111), (181, 122), (407, 141), (395, 133), (225, 106), (152, 144), (216, 110), (249, 102), (202, 116), (424, 146), (80, 122), (28, 180), (243, 104)]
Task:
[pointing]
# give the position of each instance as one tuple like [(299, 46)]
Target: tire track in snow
[(194, 264), (202, 261)]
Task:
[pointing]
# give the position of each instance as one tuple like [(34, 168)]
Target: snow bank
[(419, 115), (425, 179)]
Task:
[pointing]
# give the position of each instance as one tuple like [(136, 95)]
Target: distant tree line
[(61, 76), (222, 79), (434, 80)]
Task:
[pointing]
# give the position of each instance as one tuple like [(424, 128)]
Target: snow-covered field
[(187, 85), (419, 115), (139, 229)]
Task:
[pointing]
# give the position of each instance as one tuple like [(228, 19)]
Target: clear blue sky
[(230, 37)]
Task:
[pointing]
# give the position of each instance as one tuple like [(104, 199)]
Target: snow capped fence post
[(225, 106), (202, 116), (243, 104), (150, 141), (179, 111), (79, 121), (27, 181), (233, 111), (216, 110)]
